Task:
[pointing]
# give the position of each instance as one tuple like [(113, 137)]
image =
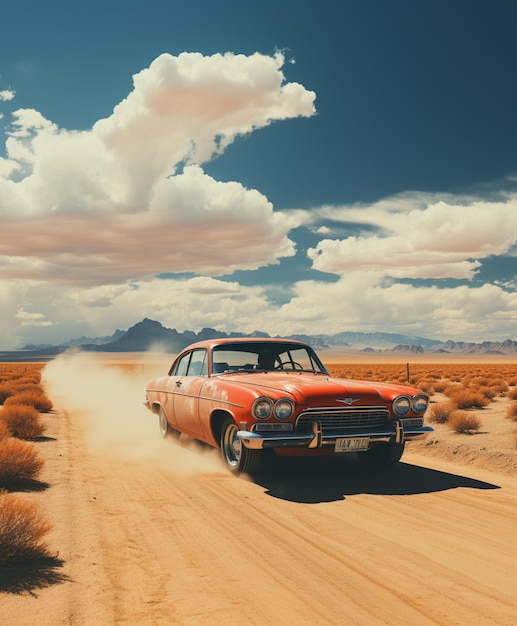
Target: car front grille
[(340, 419)]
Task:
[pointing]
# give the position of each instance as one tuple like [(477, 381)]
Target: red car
[(247, 396)]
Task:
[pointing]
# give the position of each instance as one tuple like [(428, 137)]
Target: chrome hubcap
[(232, 446), (163, 424)]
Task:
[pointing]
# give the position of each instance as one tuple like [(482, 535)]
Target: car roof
[(211, 343)]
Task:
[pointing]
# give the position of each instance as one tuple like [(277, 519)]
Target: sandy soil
[(148, 532)]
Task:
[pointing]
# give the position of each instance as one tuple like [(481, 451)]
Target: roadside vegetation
[(22, 421), (22, 530), (22, 525)]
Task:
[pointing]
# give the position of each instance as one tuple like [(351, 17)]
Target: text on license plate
[(355, 444)]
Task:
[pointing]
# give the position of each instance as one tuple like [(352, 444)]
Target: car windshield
[(267, 356)]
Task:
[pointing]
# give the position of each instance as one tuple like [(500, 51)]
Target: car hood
[(316, 390)]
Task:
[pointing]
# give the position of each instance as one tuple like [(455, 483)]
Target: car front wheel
[(383, 454), (238, 458)]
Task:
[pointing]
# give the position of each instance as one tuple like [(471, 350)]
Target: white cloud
[(359, 301), (88, 219), (120, 202), (6, 95), (439, 240), (32, 319)]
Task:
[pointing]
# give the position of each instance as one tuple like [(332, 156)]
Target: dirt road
[(167, 536)]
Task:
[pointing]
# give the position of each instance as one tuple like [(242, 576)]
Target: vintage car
[(250, 396)]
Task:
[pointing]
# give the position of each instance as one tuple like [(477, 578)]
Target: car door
[(187, 390)]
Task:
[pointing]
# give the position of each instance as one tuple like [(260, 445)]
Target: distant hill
[(152, 335), (411, 349), (358, 340), (78, 341), (486, 347), (145, 335)]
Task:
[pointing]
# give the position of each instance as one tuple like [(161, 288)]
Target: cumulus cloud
[(357, 301), (32, 319), (362, 300), (91, 219), (128, 198), (6, 95), (438, 240)]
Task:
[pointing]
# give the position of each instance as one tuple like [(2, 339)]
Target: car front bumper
[(318, 438)]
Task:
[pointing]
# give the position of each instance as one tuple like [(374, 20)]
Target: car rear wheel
[(165, 428), (238, 458), (383, 454)]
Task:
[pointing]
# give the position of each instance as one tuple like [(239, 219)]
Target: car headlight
[(262, 408), (419, 403), (283, 409), (401, 405)]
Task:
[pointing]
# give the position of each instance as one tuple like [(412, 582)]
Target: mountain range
[(152, 335)]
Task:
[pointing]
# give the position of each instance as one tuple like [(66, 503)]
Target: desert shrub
[(37, 399), (487, 392), (4, 431), (19, 461), (498, 388), (452, 388), (22, 420), (33, 378), (22, 528), (426, 385), (511, 412), (7, 389), (469, 399), (441, 385), (477, 381), (463, 422), (19, 387), (439, 413), (512, 394)]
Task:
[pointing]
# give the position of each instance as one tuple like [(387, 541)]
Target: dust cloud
[(107, 401)]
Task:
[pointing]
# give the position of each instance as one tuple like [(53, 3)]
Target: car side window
[(181, 366), (198, 364)]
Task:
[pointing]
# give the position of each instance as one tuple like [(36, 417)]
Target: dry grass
[(512, 394), (463, 422), (36, 399), (511, 412), (22, 528), (450, 372), (19, 462), (4, 431), (17, 377), (22, 420), (7, 389), (427, 385), (468, 399), (449, 388), (439, 413)]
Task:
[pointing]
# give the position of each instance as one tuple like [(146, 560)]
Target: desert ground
[(151, 532)]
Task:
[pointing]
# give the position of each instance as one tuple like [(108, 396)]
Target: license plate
[(356, 444)]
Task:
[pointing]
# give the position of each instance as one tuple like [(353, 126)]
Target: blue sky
[(284, 166)]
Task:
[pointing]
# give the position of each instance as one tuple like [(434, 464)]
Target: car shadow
[(329, 479), (29, 575)]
